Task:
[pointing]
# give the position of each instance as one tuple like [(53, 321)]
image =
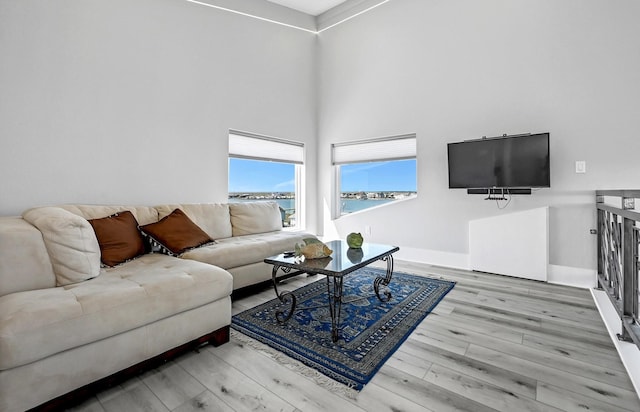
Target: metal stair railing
[(618, 261)]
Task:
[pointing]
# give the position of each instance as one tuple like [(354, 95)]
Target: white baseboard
[(557, 274), (433, 257), (629, 352), (572, 276)]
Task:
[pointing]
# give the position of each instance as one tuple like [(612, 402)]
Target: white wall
[(451, 70), (130, 101)]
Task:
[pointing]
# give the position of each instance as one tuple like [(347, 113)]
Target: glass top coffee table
[(342, 261)]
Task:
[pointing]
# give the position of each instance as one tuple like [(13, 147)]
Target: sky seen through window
[(251, 176)]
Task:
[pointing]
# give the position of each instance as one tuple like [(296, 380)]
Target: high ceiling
[(312, 7)]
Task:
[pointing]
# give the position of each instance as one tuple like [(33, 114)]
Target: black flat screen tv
[(520, 161)]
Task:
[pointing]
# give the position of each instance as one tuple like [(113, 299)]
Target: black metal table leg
[(286, 297), (384, 280), (334, 294)]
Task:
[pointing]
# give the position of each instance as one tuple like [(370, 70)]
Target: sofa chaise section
[(40, 323), (57, 335)]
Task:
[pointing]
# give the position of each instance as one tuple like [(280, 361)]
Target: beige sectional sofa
[(67, 321)]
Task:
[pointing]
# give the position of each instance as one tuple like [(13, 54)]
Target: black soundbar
[(498, 191)]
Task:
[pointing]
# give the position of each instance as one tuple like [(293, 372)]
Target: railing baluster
[(628, 286), (636, 274), (616, 261), (600, 220)]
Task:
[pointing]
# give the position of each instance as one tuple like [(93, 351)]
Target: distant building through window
[(374, 172), (263, 168)]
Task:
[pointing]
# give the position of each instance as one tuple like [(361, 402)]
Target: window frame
[(253, 146), (390, 148)]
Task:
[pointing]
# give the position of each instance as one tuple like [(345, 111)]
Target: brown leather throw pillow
[(177, 232), (118, 237)]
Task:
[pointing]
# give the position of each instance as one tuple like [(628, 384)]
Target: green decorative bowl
[(355, 240)]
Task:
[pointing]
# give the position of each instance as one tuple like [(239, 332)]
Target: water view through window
[(258, 180), (365, 185)]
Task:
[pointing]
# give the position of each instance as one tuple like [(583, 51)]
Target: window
[(263, 168), (374, 172)]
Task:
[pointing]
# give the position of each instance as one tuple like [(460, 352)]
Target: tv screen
[(512, 161)]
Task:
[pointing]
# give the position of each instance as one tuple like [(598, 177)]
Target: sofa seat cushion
[(245, 250), (229, 254), (281, 240), (36, 324)]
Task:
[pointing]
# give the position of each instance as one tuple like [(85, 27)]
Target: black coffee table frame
[(342, 262)]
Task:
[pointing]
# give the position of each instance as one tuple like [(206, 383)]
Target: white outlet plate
[(581, 166)]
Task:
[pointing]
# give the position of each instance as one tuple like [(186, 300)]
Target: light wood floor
[(493, 343)]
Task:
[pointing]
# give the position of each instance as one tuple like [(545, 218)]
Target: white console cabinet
[(514, 244)]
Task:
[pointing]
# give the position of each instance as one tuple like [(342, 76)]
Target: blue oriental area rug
[(370, 330)]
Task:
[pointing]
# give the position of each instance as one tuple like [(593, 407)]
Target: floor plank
[(302, 393), (483, 392), (509, 381), (425, 393), (204, 402), (90, 405), (380, 399), (231, 385), (138, 398), (595, 357), (411, 364), (494, 330), (526, 323), (570, 401), (589, 388), (450, 343)]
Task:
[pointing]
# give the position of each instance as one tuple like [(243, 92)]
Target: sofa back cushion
[(212, 218), (255, 217), (24, 261), (70, 242), (143, 214)]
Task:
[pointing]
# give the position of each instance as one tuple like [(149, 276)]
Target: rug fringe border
[(319, 378)]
